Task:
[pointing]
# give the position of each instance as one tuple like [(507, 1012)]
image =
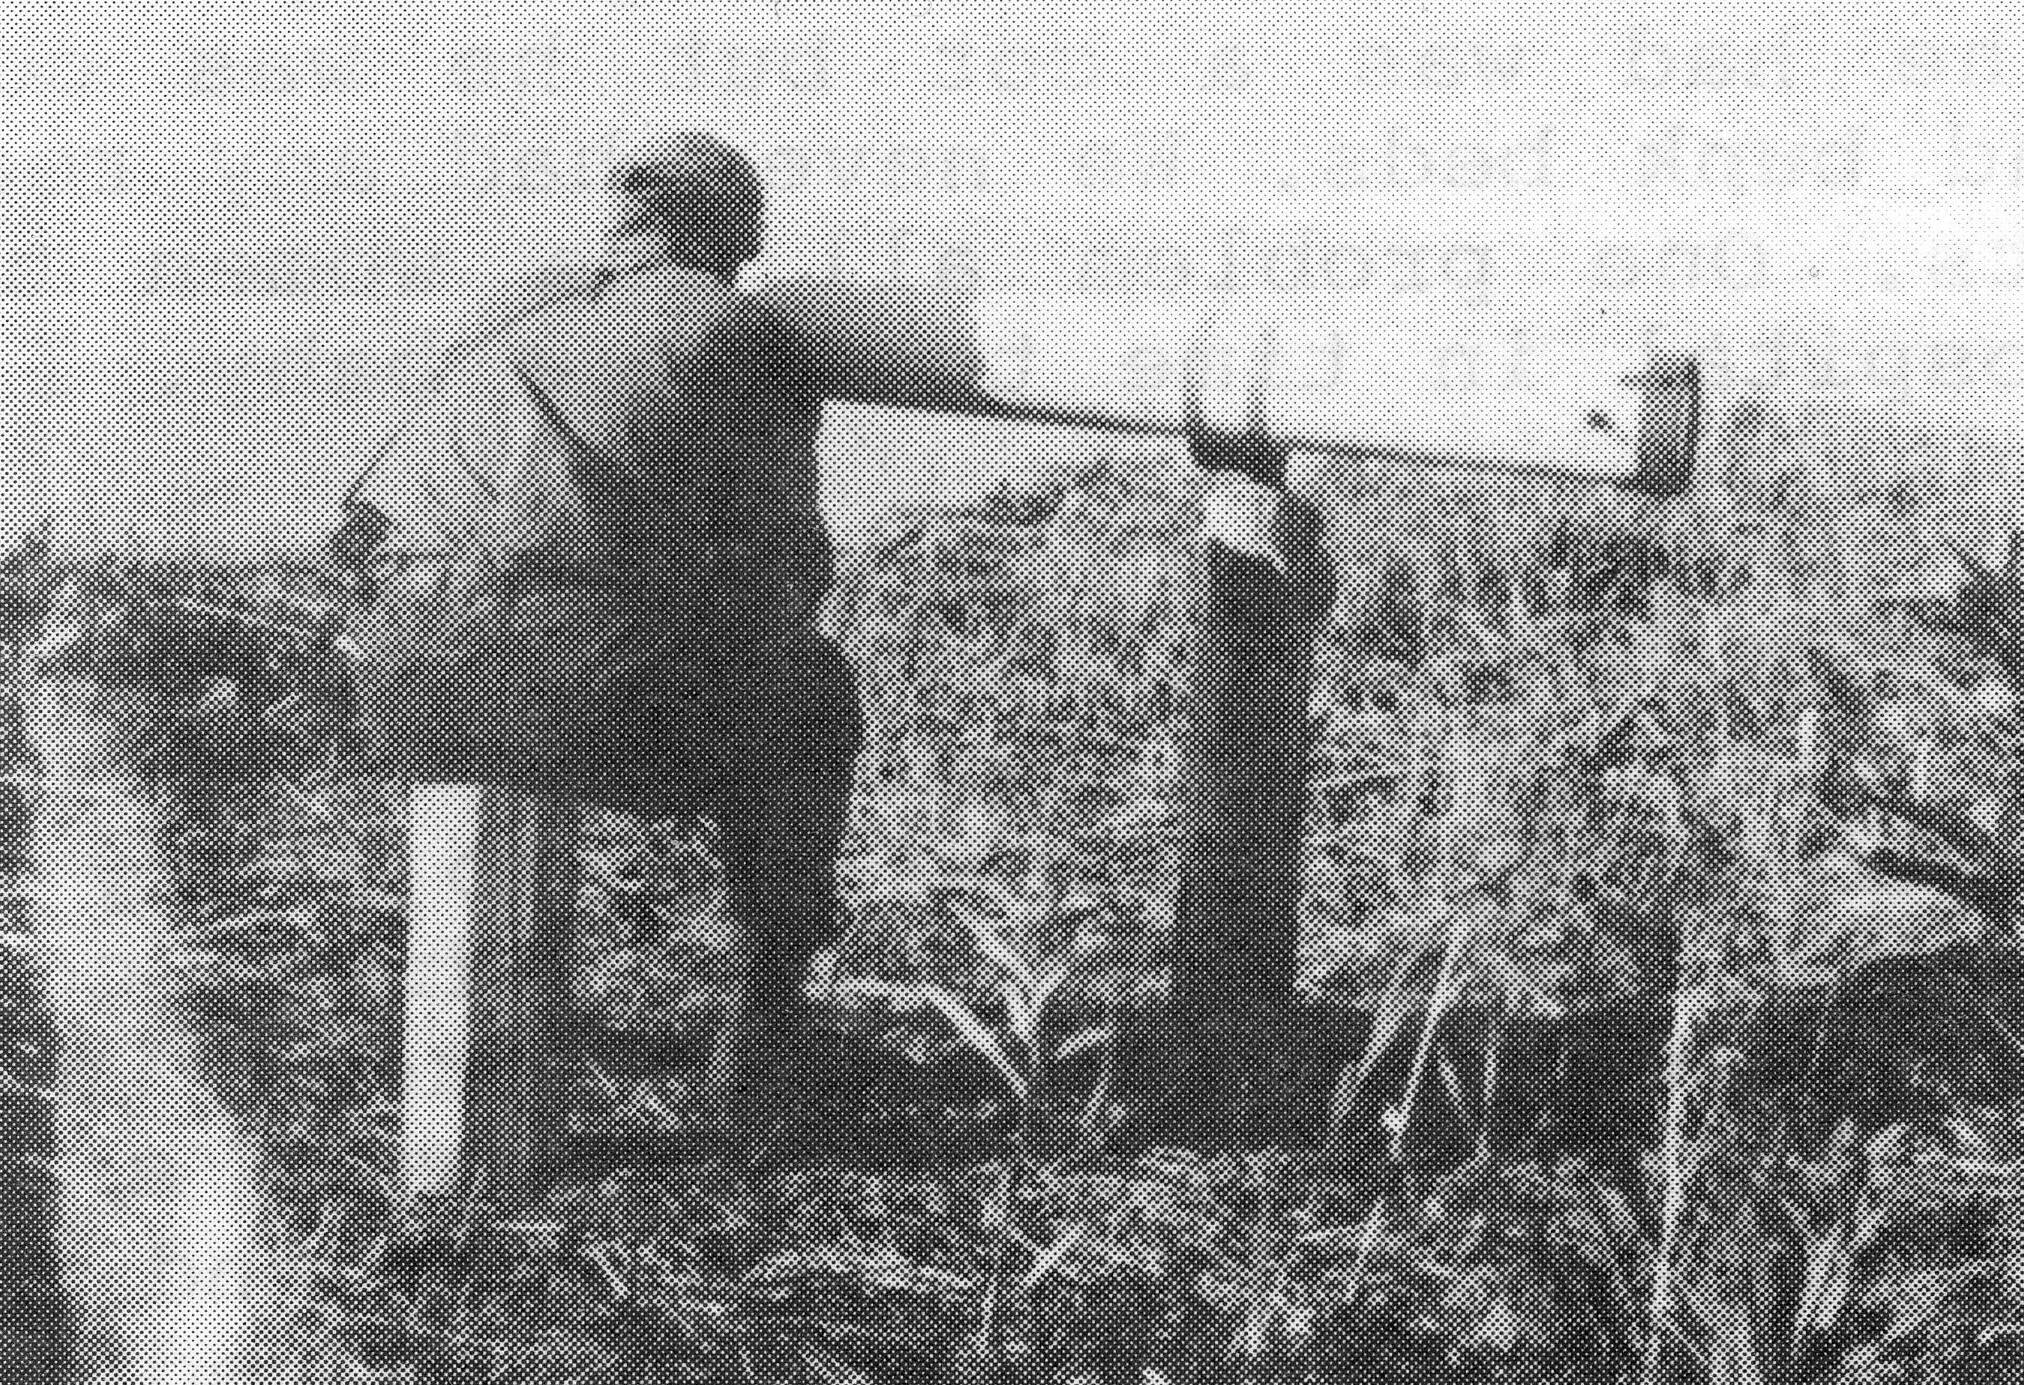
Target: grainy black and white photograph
[(1248, 694)]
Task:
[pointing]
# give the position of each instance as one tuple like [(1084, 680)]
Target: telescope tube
[(1343, 379)]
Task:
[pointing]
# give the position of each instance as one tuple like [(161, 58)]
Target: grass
[(41, 1331), (1573, 757)]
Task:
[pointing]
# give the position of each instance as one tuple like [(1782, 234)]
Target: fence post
[(492, 877), (1262, 584)]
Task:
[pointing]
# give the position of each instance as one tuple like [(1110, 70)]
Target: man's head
[(696, 195)]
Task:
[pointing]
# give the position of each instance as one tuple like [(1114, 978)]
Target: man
[(592, 569)]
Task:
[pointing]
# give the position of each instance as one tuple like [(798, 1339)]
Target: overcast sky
[(236, 236)]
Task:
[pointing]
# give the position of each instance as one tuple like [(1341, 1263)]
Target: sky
[(237, 237)]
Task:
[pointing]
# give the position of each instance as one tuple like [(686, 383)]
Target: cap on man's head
[(696, 189)]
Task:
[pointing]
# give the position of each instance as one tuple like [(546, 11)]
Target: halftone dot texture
[(694, 186), (157, 1215), (1574, 771), (41, 1326)]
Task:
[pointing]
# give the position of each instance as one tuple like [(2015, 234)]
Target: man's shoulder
[(580, 328), (529, 296), (662, 310), (774, 342)]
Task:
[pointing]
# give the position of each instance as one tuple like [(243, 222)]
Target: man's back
[(687, 420)]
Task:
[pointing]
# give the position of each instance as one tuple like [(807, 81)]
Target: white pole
[(442, 896)]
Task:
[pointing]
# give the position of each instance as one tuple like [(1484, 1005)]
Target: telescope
[(1248, 381), (1338, 379), (1247, 384)]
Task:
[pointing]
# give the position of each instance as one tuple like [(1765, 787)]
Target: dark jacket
[(697, 415), (607, 497)]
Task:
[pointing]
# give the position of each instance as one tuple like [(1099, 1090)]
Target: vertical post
[(436, 997), (492, 876), (1262, 586)]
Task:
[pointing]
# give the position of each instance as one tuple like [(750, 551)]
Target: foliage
[(1569, 755), (42, 1331)]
